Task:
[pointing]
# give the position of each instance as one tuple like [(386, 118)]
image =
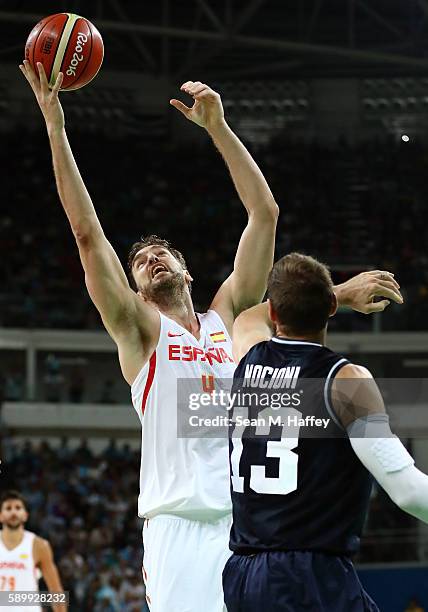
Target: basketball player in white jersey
[(184, 488), (23, 555)]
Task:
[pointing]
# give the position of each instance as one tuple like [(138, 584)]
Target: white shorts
[(183, 563)]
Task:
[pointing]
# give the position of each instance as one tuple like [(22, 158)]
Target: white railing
[(32, 341)]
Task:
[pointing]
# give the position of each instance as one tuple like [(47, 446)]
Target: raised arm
[(246, 285), (362, 292), (131, 323), (254, 325)]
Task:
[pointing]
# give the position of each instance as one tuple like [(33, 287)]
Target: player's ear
[(272, 314), (187, 276), (334, 305)]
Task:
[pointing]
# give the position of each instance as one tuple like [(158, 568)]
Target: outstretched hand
[(207, 110), (47, 98), (361, 291)]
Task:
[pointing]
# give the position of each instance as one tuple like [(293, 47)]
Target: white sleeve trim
[(327, 394)]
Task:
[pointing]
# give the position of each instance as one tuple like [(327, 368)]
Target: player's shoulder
[(353, 370), (38, 539), (41, 549), (40, 543), (29, 534), (212, 316), (214, 324)]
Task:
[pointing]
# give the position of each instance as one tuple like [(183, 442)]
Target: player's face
[(13, 514), (154, 268)]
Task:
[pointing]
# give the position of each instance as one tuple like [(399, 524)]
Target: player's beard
[(166, 292), (15, 525)]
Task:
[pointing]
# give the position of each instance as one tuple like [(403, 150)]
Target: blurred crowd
[(86, 506), (353, 207), (64, 380), (390, 535)]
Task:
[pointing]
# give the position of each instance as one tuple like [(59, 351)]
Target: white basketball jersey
[(17, 569), (188, 477)]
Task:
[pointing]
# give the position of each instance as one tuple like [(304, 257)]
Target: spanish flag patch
[(218, 336)]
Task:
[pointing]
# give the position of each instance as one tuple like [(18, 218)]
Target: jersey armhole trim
[(144, 370), (149, 382), (327, 389)]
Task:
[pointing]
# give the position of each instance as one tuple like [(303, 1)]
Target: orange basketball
[(69, 44)]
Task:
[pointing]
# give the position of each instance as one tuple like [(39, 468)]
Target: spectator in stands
[(83, 453), (53, 379), (13, 386), (384, 188), (86, 506), (107, 392), (76, 387)]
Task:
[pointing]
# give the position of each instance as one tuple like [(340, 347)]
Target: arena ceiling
[(235, 39)]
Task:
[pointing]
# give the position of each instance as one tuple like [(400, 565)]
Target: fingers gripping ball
[(69, 44)]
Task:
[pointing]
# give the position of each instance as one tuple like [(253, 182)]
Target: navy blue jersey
[(293, 491)]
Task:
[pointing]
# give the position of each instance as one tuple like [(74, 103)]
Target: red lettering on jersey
[(198, 351), (174, 349), (213, 355), (188, 353), (193, 353), (225, 355), (12, 565)]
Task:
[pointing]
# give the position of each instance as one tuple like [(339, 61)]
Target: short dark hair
[(301, 293), (151, 240), (12, 494)]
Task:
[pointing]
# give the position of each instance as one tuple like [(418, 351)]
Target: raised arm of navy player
[(356, 398), (359, 293)]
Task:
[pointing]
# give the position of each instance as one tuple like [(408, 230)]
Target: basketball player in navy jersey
[(299, 502)]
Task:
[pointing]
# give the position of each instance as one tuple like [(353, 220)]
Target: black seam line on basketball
[(59, 40), (69, 38), (37, 38), (88, 58)]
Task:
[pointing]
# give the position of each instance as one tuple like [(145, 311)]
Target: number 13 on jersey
[(286, 481)]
